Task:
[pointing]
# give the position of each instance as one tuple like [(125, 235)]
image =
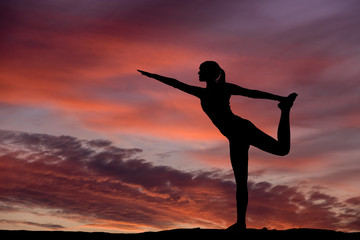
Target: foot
[(237, 227), (287, 102)]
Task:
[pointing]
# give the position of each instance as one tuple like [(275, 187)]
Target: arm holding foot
[(237, 90)]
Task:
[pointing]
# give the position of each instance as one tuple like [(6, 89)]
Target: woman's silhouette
[(241, 133)]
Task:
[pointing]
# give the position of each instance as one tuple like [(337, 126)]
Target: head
[(210, 72)]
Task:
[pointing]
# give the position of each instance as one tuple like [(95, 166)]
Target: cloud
[(41, 225), (81, 59), (111, 186), (96, 178), (76, 63), (85, 68), (282, 206)]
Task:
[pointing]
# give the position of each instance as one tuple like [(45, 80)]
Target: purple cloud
[(95, 178)]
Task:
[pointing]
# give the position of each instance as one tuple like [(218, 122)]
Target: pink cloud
[(80, 60), (93, 177)]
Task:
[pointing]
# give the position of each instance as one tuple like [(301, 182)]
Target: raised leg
[(239, 161), (281, 146), (284, 124)]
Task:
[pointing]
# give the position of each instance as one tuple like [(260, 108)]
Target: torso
[(216, 104)]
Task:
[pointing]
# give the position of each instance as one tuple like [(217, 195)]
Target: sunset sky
[(89, 144)]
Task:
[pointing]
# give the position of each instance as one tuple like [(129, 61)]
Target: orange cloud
[(120, 192), (81, 60)]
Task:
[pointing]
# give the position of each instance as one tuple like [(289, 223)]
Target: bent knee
[(283, 151)]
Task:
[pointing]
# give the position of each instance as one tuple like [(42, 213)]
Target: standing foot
[(287, 102), (237, 227)]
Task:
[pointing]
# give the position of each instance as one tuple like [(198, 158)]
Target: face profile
[(209, 71)]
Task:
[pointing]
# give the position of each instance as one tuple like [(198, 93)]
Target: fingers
[(145, 73)]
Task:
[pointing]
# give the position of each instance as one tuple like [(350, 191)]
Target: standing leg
[(239, 161)]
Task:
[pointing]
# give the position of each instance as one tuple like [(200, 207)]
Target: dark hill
[(186, 234)]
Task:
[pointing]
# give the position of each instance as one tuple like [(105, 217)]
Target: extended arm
[(193, 90), (237, 90)]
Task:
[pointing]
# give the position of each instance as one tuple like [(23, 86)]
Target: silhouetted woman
[(241, 133)]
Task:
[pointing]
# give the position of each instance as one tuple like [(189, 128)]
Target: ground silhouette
[(188, 234)]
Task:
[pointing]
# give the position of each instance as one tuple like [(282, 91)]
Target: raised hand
[(146, 73)]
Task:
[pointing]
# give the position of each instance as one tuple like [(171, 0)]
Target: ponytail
[(221, 78)]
